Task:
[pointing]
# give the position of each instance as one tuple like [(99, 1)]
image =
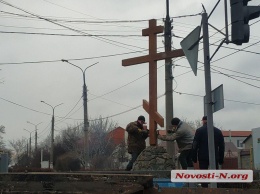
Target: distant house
[(120, 156), (118, 135), (231, 150), (236, 137), (248, 142)]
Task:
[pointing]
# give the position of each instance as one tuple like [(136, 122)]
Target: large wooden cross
[(151, 106)]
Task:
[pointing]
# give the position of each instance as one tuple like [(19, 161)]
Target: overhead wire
[(115, 43), (105, 94), (72, 35), (127, 84), (197, 95), (73, 59)]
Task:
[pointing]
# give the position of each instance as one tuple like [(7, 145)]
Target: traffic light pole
[(226, 21), (209, 103), (241, 14)]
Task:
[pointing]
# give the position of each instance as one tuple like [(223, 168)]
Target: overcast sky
[(37, 34)]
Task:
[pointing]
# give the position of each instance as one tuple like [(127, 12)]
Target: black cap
[(141, 118), (204, 118), (175, 121)]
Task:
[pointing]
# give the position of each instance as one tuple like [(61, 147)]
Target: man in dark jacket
[(201, 149), (136, 139)]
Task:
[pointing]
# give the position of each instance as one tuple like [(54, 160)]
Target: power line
[(73, 35), (218, 72), (74, 59), (119, 87), (235, 52), (62, 29), (237, 79), (123, 86), (252, 52), (197, 95), (98, 21), (70, 111), (116, 43)]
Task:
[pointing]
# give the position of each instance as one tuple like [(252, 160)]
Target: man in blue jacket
[(201, 149)]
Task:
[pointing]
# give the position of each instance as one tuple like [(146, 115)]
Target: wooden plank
[(74, 182), (153, 57)]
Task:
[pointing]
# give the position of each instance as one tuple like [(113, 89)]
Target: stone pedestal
[(156, 161)]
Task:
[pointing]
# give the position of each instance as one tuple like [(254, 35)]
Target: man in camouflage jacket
[(136, 139)]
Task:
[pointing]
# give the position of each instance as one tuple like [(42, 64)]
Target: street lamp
[(52, 132), (86, 123), (30, 141), (35, 133)]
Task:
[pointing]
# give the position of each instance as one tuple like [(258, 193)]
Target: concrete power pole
[(168, 79), (85, 105), (52, 141), (86, 123), (35, 125), (30, 147), (52, 133)]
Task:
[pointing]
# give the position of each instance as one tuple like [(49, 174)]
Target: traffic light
[(240, 16)]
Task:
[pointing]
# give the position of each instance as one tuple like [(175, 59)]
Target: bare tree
[(2, 131), (71, 139), (19, 147), (194, 124), (101, 145)]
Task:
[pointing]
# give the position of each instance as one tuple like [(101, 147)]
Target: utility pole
[(27, 148), (86, 122), (30, 143), (209, 103), (36, 136), (85, 105), (52, 140), (30, 146), (168, 79), (52, 133)]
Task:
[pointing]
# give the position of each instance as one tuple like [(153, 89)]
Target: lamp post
[(52, 132), (35, 133), (30, 141), (85, 105)]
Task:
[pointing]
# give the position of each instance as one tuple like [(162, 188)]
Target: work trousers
[(185, 159), (204, 165), (134, 156)]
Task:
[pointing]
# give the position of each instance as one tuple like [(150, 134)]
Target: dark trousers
[(134, 156), (185, 159), (204, 165)]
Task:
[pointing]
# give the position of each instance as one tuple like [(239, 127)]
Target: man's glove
[(140, 130), (170, 131)]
